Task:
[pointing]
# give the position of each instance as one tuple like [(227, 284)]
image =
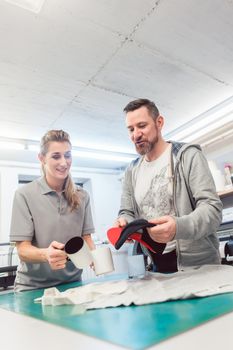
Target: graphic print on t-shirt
[(157, 201), (154, 190)]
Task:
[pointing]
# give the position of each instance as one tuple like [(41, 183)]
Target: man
[(171, 186)]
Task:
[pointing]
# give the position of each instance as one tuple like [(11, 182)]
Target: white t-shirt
[(153, 190)]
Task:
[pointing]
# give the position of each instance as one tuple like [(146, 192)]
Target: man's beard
[(146, 147)]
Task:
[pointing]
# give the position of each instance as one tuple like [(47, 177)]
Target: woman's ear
[(41, 158)]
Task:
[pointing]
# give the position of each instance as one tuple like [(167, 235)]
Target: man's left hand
[(165, 229)]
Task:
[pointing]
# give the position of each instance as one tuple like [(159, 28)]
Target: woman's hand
[(55, 256)]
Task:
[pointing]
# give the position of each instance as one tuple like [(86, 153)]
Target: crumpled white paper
[(154, 288)]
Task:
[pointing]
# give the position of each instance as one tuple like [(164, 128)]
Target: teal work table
[(133, 327)]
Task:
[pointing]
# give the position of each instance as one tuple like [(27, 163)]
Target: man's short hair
[(142, 102)]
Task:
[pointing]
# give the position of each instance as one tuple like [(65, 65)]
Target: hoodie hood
[(179, 147)]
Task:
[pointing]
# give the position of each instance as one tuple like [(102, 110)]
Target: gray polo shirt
[(41, 216)]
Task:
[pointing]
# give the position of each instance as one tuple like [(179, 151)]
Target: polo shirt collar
[(45, 187)]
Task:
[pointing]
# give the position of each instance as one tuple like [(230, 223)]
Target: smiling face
[(144, 131), (56, 163)]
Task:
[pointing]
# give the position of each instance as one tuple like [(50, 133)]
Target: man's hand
[(56, 257), (120, 222), (164, 231)]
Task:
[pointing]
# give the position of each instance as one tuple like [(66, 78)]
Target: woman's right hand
[(56, 256)]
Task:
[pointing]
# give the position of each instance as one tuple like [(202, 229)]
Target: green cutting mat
[(134, 327)]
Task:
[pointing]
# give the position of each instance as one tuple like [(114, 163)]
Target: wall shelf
[(226, 193)]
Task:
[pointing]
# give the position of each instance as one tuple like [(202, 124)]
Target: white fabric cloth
[(154, 288)]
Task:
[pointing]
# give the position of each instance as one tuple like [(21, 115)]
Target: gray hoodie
[(198, 209)]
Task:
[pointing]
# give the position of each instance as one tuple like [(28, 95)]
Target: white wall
[(104, 188), (221, 153)]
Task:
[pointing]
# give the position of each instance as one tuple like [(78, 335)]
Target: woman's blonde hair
[(71, 191)]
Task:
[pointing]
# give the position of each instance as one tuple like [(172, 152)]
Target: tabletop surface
[(133, 327)]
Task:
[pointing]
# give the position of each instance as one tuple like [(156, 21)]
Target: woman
[(46, 213)]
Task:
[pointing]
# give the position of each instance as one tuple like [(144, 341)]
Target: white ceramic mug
[(102, 259), (136, 266), (78, 252)]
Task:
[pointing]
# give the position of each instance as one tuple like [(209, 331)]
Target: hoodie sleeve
[(207, 214)]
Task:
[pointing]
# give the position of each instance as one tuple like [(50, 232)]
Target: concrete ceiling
[(77, 63)]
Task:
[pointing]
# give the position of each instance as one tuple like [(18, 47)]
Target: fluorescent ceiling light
[(204, 129), (103, 156), (33, 147), (11, 145), (31, 5), (88, 153), (204, 123), (223, 136), (101, 147)]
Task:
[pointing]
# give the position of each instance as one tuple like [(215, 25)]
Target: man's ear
[(160, 122)]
